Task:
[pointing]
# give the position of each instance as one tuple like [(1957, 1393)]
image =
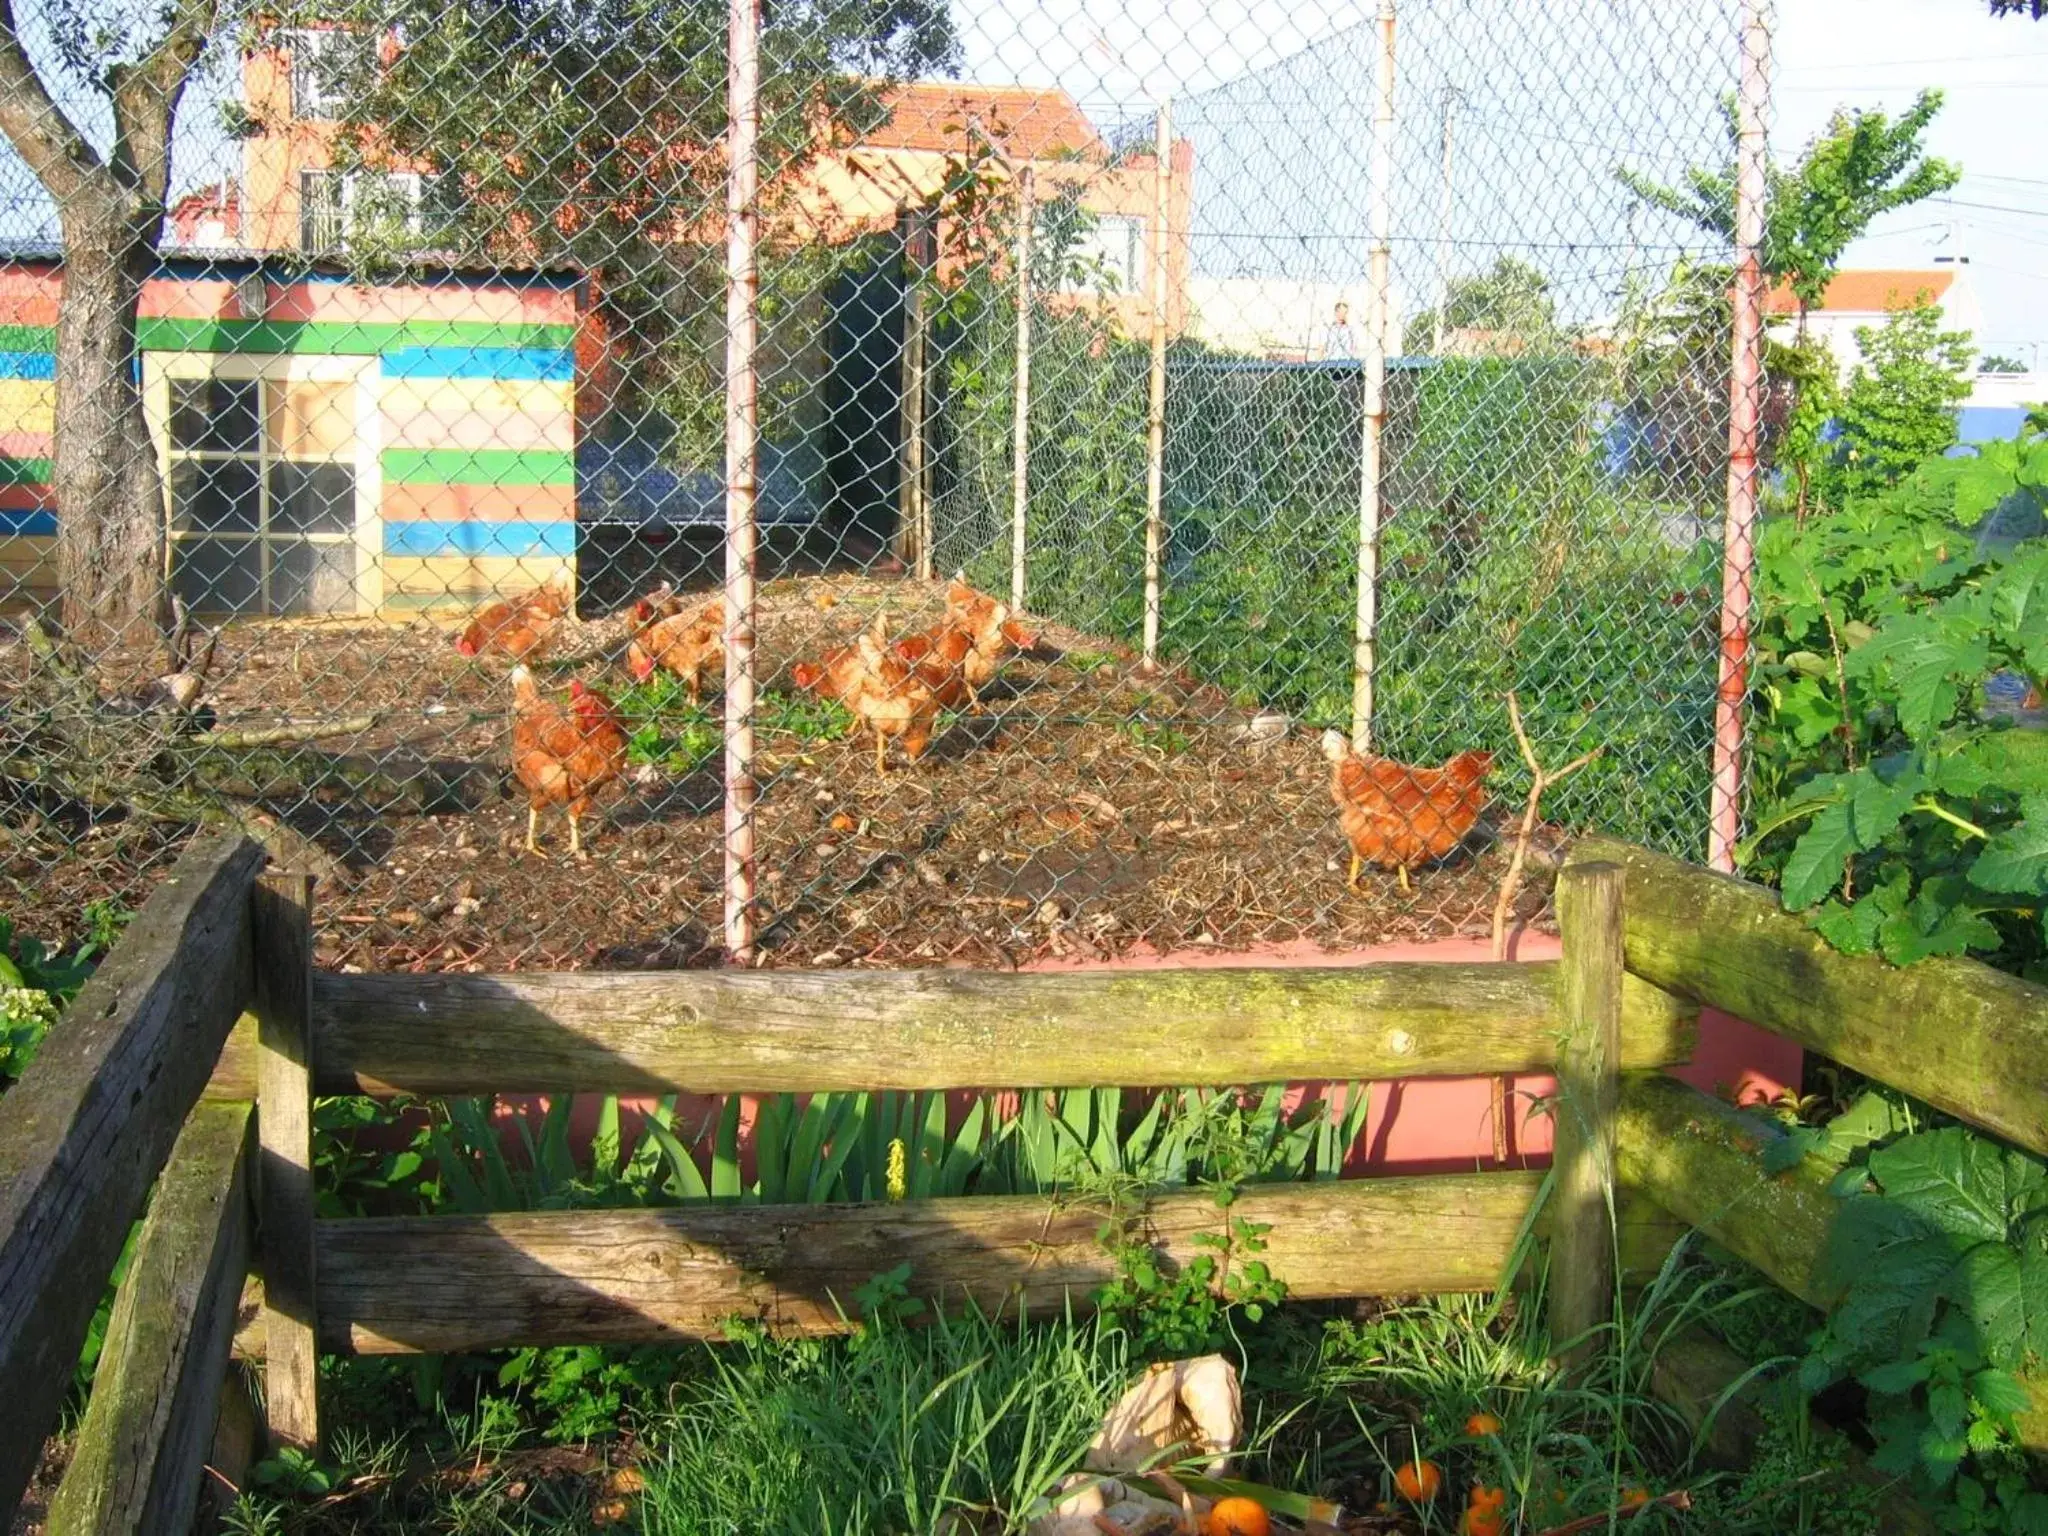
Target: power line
[(1954, 58)]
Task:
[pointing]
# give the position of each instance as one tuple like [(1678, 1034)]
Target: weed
[(975, 1416), (36, 982), (678, 737), (1154, 737)]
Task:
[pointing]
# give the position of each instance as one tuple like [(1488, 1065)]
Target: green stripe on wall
[(478, 466), (24, 471), (364, 338)]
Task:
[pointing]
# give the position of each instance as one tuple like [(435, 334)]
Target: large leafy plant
[(1920, 811), (1942, 1253)]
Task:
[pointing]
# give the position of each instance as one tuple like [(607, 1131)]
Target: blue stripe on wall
[(429, 538), (36, 524), (555, 364), (28, 365)]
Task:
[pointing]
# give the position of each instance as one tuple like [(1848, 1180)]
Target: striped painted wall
[(474, 416)]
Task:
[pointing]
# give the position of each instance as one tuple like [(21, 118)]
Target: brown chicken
[(1397, 816), (885, 690), (563, 756), (521, 630), (687, 644), (940, 656), (993, 633), (661, 603)]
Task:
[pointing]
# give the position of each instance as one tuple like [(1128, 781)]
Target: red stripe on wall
[(26, 498), (480, 503)]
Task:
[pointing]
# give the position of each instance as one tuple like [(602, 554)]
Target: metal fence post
[(1745, 403), (742, 299), (1379, 277)]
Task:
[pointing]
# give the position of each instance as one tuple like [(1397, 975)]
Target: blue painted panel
[(555, 364), (466, 539)]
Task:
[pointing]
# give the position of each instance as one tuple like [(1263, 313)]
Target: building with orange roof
[(1864, 296)]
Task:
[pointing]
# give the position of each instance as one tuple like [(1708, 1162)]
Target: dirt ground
[(1090, 810)]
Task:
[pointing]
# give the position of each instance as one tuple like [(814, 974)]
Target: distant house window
[(320, 223), (340, 210), (1109, 253), (327, 67)]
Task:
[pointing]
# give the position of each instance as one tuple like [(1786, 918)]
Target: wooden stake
[(1582, 1278), (1155, 435), (1020, 468), (742, 466), (282, 917), (1373, 386)]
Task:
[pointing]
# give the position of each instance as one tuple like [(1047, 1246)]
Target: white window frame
[(367, 534), (352, 184), (303, 50), (1093, 253)]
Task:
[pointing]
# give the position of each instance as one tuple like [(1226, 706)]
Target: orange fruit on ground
[(1237, 1517), (1417, 1481), (1486, 1514), (1482, 1423), (1634, 1498)]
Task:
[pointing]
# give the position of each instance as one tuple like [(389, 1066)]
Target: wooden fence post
[(283, 932), (1589, 911), (140, 1455)]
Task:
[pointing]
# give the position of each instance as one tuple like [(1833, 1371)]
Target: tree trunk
[(110, 502)]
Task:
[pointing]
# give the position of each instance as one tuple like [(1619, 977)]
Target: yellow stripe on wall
[(437, 581), (519, 414), (28, 405)]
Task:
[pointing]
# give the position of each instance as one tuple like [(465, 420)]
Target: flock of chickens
[(1394, 815)]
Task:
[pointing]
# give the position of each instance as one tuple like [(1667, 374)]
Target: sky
[(1994, 122), (1827, 54), (1280, 92)]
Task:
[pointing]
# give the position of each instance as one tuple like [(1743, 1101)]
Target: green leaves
[(1821, 854), (1900, 808), (2017, 858), (1944, 1279)]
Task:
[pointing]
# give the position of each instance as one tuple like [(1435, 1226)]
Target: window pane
[(312, 578), (313, 420), (328, 66), (218, 414), (312, 498), (214, 496), (319, 212), (217, 576)]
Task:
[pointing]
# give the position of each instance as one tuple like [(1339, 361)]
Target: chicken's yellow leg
[(881, 753), (575, 836), (1351, 880), (1407, 887), (532, 829)]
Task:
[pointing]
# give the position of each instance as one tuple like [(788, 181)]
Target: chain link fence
[(1289, 371)]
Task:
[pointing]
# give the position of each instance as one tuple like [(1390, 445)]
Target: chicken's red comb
[(577, 690)]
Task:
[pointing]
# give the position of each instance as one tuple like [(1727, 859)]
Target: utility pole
[(1449, 98)]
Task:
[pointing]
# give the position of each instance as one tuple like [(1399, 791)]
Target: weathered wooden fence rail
[(1648, 942)]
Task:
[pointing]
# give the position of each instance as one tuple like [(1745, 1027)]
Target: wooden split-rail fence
[(148, 1102)]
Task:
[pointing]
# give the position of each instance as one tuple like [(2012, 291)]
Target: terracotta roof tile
[(1869, 291), (1029, 124)]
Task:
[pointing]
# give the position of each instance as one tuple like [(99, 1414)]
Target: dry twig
[(1541, 779)]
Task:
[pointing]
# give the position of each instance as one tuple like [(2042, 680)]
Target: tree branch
[(145, 98), (40, 131)]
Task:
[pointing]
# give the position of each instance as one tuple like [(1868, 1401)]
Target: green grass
[(897, 1431), (679, 737), (908, 1429)]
